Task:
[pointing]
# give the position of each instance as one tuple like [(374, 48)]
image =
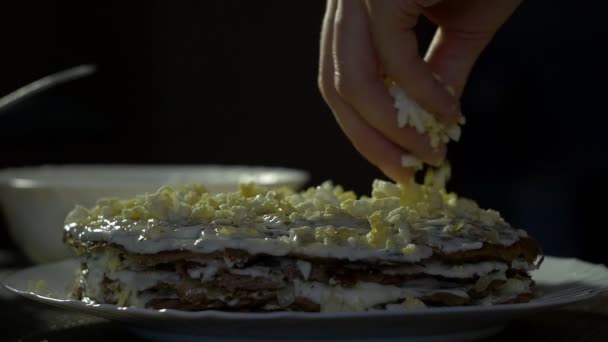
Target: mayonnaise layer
[(129, 283)]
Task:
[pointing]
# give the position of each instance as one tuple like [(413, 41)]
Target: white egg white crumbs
[(410, 113)]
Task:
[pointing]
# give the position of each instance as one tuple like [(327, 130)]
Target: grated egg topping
[(409, 112), (400, 219)]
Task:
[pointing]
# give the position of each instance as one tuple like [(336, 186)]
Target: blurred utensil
[(45, 83)]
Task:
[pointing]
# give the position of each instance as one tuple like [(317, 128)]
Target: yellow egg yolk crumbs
[(391, 215)]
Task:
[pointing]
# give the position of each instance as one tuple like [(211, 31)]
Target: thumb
[(465, 29)]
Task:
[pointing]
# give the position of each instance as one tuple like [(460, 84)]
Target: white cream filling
[(304, 267), (203, 238), (363, 296), (450, 271), (509, 291), (523, 265), (484, 281), (257, 272), (332, 297), (276, 247), (97, 265), (140, 281), (206, 272)]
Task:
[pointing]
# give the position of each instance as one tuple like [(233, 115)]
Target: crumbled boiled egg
[(410, 113), (123, 295), (389, 217), (413, 303), (227, 231), (330, 235), (410, 249), (302, 235)]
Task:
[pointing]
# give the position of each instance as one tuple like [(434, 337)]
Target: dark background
[(235, 82)]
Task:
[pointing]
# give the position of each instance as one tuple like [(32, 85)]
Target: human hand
[(363, 41)]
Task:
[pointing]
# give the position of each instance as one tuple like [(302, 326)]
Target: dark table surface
[(25, 320)]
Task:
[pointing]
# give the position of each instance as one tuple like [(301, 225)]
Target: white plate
[(559, 282)]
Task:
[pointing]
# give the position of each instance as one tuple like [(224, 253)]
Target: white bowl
[(35, 200)]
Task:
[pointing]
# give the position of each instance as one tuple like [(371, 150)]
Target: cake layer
[(525, 251), (284, 283)]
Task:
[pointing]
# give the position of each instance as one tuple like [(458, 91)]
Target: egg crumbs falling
[(410, 113)]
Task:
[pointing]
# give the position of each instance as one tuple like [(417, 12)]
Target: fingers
[(358, 81), (459, 40), (453, 58), (362, 40), (368, 141), (325, 50), (391, 24), (371, 144)]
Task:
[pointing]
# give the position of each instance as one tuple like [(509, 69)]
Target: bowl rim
[(64, 175)]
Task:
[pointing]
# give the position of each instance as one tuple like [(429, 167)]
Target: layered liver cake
[(321, 250)]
